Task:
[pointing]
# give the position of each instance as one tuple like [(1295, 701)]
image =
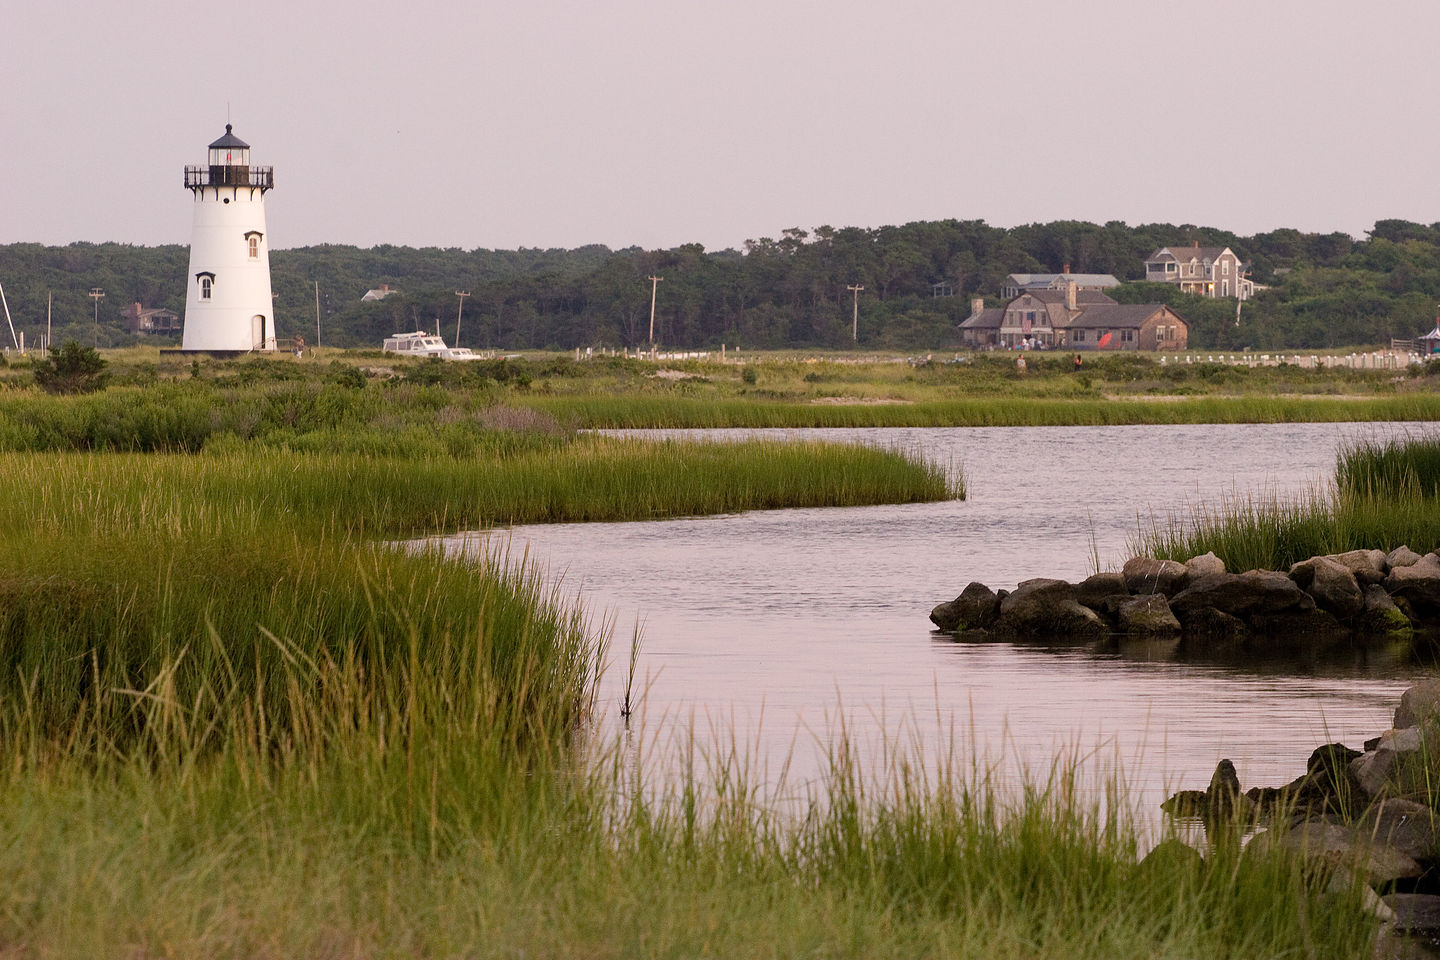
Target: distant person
[(299, 346), (1076, 363), (1020, 363)]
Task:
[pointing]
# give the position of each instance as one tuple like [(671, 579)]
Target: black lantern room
[(229, 161)]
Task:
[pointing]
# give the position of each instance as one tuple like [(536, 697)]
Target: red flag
[(1103, 341)]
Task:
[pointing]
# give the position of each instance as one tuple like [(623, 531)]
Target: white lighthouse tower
[(228, 306)]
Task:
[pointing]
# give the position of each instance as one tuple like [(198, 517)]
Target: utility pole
[(317, 314), (654, 285), (855, 315), (7, 318), (97, 294), (462, 294)]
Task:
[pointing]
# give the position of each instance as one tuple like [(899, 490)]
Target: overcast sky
[(639, 122)]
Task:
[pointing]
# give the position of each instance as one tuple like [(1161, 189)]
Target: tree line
[(1324, 290)]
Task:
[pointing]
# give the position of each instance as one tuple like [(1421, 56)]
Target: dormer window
[(207, 284), (252, 240)]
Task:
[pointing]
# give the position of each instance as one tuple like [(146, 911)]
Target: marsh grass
[(431, 841), (1384, 496), (657, 412)]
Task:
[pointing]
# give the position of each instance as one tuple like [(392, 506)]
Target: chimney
[(1069, 294), (1067, 270), (977, 304)]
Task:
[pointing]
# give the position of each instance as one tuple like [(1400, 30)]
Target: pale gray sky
[(541, 123)]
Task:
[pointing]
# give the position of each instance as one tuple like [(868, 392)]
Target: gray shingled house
[(1073, 319)]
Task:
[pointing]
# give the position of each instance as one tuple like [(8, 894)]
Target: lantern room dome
[(229, 141)]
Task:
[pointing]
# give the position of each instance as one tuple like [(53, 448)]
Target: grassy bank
[(680, 412), (1384, 496), (426, 846)]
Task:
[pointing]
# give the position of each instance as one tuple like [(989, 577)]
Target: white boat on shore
[(422, 344)]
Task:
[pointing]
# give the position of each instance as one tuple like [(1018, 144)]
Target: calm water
[(766, 627)]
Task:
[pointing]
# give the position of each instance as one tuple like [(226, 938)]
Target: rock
[(975, 609), (1327, 784), (1418, 584), (1344, 848), (1397, 766), (1240, 595), (1224, 787), (1170, 860), (1208, 630), (1043, 607), (1187, 803), (945, 616), (1148, 615), (1367, 566), (1222, 803), (1148, 575), (1382, 619), (1401, 557), (1204, 564), (1415, 912), (1094, 590), (1333, 586), (1405, 825), (1421, 702)]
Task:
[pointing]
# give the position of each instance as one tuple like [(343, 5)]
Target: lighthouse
[(228, 305)]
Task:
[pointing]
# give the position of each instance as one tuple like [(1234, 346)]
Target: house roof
[(1186, 254), (1082, 296), (984, 320), (1118, 315), (1027, 280)]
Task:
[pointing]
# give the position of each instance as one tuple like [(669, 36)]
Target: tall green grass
[(641, 411), (1383, 496)]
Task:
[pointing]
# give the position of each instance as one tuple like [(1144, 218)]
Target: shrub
[(71, 368)]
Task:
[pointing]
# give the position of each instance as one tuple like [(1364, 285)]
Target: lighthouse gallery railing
[(263, 177)]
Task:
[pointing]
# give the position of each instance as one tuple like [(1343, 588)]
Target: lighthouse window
[(254, 248), (205, 284)]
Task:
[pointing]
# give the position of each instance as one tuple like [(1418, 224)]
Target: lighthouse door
[(257, 332)]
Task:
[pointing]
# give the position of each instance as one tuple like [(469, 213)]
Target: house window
[(1079, 336), (1225, 288)]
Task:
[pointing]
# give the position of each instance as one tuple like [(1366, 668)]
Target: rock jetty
[(1354, 815), (1368, 596)]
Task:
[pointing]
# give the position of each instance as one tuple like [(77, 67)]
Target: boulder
[(1418, 584), (1415, 913), (1401, 557), (975, 609), (1382, 619), (1398, 764), (1043, 607), (1170, 860), (1332, 584), (1326, 785), (1204, 564), (1421, 702), (1147, 615), (1344, 847), (1404, 825), (1148, 575), (1368, 566), (1094, 590), (1240, 595)]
